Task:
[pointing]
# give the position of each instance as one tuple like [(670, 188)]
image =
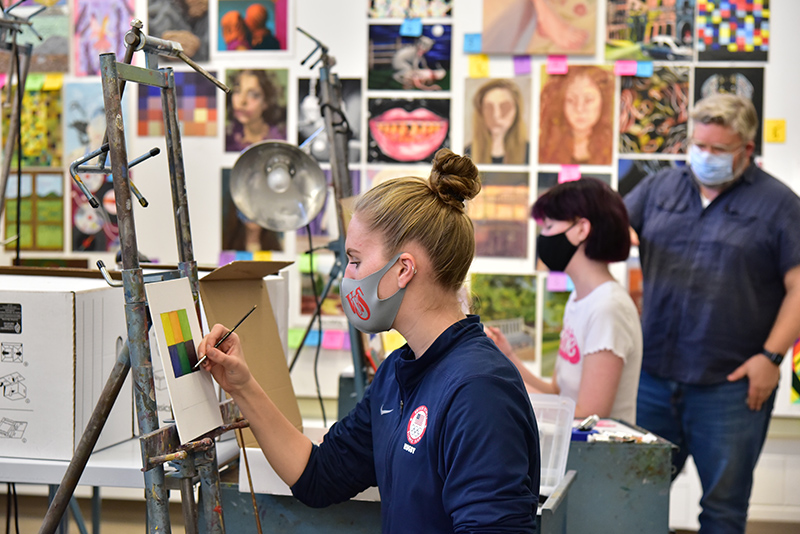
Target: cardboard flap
[(226, 298), (246, 270)]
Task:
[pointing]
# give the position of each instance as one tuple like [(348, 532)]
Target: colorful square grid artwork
[(736, 30), (197, 107), (181, 348)]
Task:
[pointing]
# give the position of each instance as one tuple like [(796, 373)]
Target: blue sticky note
[(313, 338), (411, 28), (644, 69), (473, 43)]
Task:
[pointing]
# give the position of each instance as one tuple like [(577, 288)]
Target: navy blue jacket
[(450, 439)]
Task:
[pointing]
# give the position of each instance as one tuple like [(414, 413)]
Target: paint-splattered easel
[(159, 445)]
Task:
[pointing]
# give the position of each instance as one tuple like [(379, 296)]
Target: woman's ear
[(584, 229), (408, 268)]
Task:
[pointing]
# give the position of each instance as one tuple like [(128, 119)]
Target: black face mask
[(555, 250)]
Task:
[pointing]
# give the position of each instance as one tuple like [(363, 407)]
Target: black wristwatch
[(774, 357)]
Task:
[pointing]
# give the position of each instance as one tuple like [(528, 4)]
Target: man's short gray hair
[(732, 111)]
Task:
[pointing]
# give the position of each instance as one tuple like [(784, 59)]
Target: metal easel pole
[(187, 264), (135, 299), (13, 132), (331, 92)]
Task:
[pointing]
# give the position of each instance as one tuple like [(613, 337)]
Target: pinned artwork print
[(654, 112), (41, 224), (407, 130), (177, 331), (402, 62), (576, 123), (49, 34), (196, 103), (657, 30), (733, 31), (747, 82), (539, 27), (252, 25), (100, 27)]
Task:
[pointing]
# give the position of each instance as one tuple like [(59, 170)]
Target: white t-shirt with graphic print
[(605, 319)]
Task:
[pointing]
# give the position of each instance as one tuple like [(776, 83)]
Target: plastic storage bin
[(554, 415)]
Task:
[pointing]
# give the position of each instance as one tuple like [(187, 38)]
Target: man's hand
[(763, 376)]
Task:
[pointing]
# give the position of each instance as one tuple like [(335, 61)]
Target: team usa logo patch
[(417, 425)]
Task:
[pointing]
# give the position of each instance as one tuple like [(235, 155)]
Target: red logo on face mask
[(358, 304)]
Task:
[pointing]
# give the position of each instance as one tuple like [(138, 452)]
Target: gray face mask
[(361, 304)]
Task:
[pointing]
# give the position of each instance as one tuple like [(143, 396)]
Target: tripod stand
[(338, 133)]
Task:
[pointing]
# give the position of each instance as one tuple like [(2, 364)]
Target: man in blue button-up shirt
[(720, 252)]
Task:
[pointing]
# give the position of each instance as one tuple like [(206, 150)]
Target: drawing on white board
[(13, 388), (12, 429), (11, 352)]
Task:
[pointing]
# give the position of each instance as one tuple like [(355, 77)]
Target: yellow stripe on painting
[(176, 326), (167, 328)]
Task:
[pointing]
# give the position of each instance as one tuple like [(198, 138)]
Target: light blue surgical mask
[(711, 170), (362, 306)]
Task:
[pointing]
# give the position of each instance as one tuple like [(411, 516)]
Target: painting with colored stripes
[(180, 344), (193, 398)]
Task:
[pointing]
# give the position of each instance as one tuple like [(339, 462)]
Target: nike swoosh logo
[(384, 412)]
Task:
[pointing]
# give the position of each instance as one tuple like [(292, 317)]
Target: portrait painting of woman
[(256, 107), (577, 117), (499, 129)]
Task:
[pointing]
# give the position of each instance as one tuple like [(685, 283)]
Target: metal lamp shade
[(278, 186)]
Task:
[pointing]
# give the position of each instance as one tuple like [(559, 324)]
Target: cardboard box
[(59, 336), (228, 293)]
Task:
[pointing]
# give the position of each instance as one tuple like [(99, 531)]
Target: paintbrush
[(223, 338)]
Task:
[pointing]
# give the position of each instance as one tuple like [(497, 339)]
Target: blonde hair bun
[(454, 178)]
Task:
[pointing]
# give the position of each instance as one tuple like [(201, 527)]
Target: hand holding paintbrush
[(223, 338)]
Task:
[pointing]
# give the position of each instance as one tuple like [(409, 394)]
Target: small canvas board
[(191, 391)]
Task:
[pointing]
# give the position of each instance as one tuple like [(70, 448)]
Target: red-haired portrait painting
[(577, 116)]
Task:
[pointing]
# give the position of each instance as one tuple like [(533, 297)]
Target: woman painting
[(577, 117), (499, 131), (254, 110), (445, 430)]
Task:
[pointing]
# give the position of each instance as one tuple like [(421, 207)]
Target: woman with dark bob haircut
[(584, 228)]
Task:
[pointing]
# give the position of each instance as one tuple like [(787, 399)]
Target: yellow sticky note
[(262, 255), (478, 66), (775, 130), (53, 82), (392, 340)]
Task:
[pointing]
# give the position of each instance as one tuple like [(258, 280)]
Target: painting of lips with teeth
[(407, 130)]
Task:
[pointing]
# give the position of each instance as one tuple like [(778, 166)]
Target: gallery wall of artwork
[(579, 87)]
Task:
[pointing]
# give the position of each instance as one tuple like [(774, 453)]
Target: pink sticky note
[(556, 282), (226, 256), (625, 67), (569, 173), (333, 339), (522, 65), (2, 79), (557, 65)]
